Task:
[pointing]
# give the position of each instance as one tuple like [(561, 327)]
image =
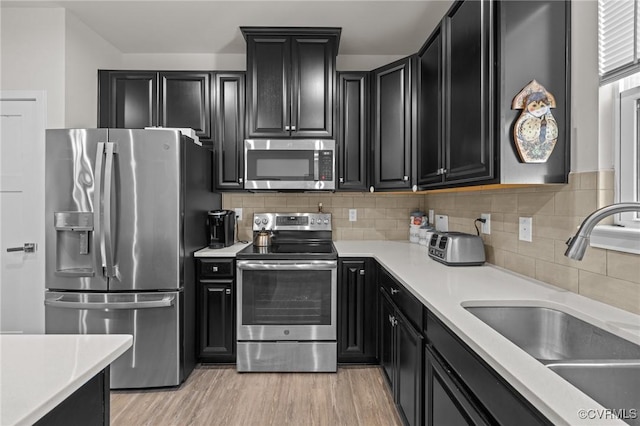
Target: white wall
[(191, 61), (32, 48), (86, 52), (364, 62), (584, 86)]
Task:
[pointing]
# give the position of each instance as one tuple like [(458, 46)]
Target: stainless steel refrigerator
[(125, 210)]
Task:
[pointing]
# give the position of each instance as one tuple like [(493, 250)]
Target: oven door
[(286, 300)]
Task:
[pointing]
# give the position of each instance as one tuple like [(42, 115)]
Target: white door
[(22, 135)]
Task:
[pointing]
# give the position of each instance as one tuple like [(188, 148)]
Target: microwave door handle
[(97, 210), (316, 165), (108, 236)]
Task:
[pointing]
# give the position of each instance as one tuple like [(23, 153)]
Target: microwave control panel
[(326, 165)]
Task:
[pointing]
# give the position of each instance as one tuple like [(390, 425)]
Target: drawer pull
[(214, 268)]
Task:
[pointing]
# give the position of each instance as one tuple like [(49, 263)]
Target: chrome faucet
[(579, 242)]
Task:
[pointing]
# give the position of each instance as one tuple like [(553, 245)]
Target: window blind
[(618, 38)]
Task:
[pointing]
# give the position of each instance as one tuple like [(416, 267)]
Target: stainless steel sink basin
[(550, 335), (615, 386)]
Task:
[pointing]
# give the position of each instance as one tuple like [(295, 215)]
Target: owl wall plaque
[(536, 131)]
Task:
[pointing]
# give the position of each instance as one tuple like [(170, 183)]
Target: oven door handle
[(279, 266)]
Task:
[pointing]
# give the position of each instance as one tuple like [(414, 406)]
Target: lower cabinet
[(357, 301), (401, 350), (216, 311), (445, 401)]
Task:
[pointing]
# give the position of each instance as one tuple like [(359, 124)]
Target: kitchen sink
[(550, 335), (613, 385)]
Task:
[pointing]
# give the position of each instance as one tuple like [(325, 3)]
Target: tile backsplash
[(609, 276)]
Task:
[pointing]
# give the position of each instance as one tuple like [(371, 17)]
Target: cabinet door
[(127, 99), (217, 322), (229, 130), (445, 403), (268, 62), (185, 101), (351, 133), (392, 126), (409, 371), (430, 105), (356, 315), (312, 83), (468, 85), (387, 339)]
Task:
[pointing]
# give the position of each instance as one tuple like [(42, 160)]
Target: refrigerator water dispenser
[(74, 232)]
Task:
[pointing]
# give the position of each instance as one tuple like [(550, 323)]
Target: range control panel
[(292, 221)]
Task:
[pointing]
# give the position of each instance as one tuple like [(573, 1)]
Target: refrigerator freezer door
[(152, 319), (143, 204), (72, 229)]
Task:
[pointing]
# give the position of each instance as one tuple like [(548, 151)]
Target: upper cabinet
[(138, 99), (290, 81), (392, 125), (352, 134), (472, 66)]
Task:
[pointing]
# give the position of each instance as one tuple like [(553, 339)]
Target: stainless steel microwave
[(302, 164)]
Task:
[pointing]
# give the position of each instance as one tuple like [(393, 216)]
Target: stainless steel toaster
[(456, 248)]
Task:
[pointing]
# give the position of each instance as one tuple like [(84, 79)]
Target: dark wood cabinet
[(470, 68), (290, 81), (229, 108), (392, 125), (474, 391), (185, 101), (446, 401), (216, 341), (138, 99), (357, 300), (455, 136), (401, 353), (127, 99), (352, 133)]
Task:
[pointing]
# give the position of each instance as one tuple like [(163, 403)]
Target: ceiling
[(392, 27)]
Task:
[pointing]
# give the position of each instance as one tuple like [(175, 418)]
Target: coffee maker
[(221, 227)]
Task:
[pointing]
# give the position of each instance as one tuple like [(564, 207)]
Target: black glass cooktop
[(290, 250)]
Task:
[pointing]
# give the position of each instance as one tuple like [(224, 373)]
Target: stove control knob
[(257, 221), (313, 221), (326, 221), (265, 220)]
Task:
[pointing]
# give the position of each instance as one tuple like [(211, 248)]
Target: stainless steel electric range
[(287, 295)]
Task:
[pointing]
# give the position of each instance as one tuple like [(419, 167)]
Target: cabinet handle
[(394, 291), (405, 178), (390, 319), (361, 271), (240, 180), (287, 128), (293, 128), (214, 268), (341, 180), (228, 291), (395, 321)]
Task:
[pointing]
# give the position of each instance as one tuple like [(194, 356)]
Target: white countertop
[(222, 252), (38, 372), (443, 289)]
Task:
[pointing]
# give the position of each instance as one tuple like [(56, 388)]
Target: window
[(627, 161), (618, 38)]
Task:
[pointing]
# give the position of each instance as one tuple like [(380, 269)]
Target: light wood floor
[(214, 395)]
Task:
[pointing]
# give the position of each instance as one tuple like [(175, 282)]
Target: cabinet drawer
[(406, 302), (500, 400), (216, 268)]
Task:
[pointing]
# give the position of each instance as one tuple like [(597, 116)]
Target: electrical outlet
[(485, 227), (238, 211), (431, 217), (526, 229), (442, 223), (353, 215)]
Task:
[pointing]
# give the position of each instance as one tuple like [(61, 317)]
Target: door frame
[(37, 159)]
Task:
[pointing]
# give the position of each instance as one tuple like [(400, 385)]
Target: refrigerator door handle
[(97, 209), (111, 150), (58, 302)]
